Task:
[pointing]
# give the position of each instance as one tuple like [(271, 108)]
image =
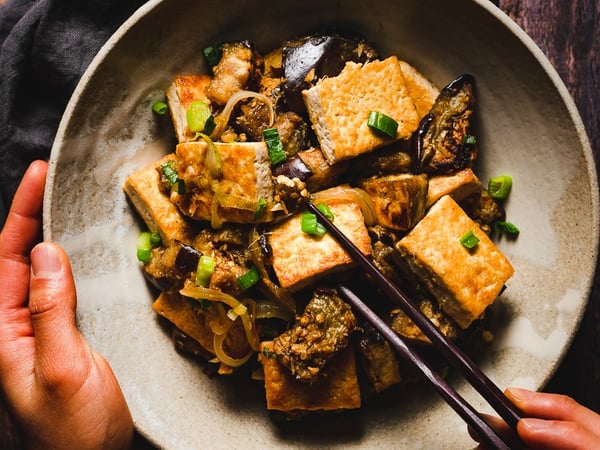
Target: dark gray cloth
[(45, 46)]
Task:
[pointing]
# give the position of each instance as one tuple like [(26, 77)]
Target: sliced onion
[(199, 292), (223, 118), (346, 192), (266, 309), (213, 158), (223, 357)]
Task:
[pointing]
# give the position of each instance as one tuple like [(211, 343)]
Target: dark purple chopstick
[(473, 374), (486, 433)]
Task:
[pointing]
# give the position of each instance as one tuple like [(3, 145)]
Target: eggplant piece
[(378, 359), (323, 330), (400, 200), (311, 58), (293, 167), (392, 159), (441, 144)]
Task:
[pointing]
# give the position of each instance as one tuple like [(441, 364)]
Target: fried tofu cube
[(458, 185), (233, 196), (339, 108), (464, 281), (300, 259), (422, 91), (336, 388), (154, 206), (180, 94)]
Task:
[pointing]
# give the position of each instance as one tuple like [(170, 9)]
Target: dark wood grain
[(568, 33)]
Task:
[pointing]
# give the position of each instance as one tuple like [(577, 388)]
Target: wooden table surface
[(568, 32)]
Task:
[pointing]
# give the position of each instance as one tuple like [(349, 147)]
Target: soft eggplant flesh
[(441, 144), (311, 58)]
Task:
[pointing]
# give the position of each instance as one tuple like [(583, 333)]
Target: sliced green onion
[(383, 124), (205, 270), (269, 353), (506, 227), (155, 239), (210, 125), (197, 115), (169, 171), (310, 225), (260, 209), (145, 243), (212, 55), (499, 187), (274, 146), (469, 140), (249, 279), (159, 108), (325, 210), (469, 240)]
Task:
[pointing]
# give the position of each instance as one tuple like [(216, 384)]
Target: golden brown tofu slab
[(336, 388), (300, 259), (154, 207), (464, 281), (458, 185), (422, 91), (180, 94), (234, 195), (339, 108)]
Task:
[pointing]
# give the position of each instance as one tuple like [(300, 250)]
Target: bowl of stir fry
[(436, 136)]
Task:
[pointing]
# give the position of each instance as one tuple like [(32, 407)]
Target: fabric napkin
[(45, 46)]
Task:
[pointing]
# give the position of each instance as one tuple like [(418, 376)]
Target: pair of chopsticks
[(473, 374)]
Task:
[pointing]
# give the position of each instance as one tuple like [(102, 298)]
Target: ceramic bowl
[(526, 124)]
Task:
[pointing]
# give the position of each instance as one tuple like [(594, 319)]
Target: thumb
[(52, 303)]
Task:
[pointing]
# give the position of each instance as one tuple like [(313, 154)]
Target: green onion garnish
[(269, 353), (197, 115), (169, 171), (205, 269), (310, 225), (159, 108), (325, 210), (145, 243), (274, 146), (499, 187), (383, 124), (212, 55), (506, 227), (469, 240), (260, 209), (249, 279), (469, 140)]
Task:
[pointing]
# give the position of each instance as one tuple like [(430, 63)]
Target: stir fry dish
[(247, 277)]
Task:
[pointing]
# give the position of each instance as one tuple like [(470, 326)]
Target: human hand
[(60, 392), (552, 421)]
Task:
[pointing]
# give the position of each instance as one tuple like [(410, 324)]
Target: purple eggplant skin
[(313, 57), (441, 145), (293, 167)]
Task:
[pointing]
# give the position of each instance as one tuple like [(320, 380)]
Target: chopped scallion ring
[(499, 187), (469, 140), (145, 243), (506, 227), (274, 146), (260, 209), (197, 115), (469, 240), (325, 210), (249, 279), (383, 124), (205, 270), (159, 108), (212, 55), (170, 173), (310, 225)]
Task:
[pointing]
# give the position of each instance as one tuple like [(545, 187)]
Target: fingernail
[(518, 394), (535, 424), (45, 261)]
